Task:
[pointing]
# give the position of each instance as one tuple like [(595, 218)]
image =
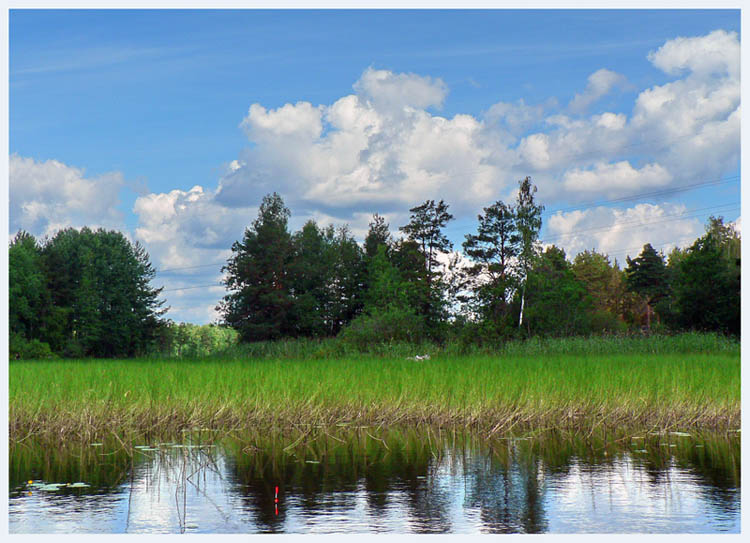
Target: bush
[(384, 325), (22, 348)]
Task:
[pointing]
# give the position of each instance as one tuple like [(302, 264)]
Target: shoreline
[(84, 400)]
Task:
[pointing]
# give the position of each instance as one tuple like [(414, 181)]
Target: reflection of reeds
[(88, 400), (322, 466)]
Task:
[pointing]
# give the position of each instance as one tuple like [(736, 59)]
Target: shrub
[(20, 347), (384, 325)]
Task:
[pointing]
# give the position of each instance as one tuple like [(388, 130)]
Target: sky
[(171, 125)]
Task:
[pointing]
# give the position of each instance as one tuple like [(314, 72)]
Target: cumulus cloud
[(386, 90), (188, 228), (622, 232), (600, 83), (385, 147), (378, 149), (616, 177), (716, 53), (382, 149), (46, 196)]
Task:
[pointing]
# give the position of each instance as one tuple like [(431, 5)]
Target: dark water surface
[(397, 481)]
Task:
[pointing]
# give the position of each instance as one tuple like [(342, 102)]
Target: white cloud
[(621, 232), (737, 225), (377, 150), (599, 84), (383, 148), (188, 228), (388, 91), (715, 53), (380, 149), (297, 123), (48, 196), (616, 178)]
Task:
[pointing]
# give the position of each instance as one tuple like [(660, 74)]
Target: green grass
[(531, 388), (316, 349)]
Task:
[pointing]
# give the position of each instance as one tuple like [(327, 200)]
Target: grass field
[(571, 385)]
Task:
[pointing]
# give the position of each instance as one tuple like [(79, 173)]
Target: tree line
[(81, 293), (87, 293), (319, 282)]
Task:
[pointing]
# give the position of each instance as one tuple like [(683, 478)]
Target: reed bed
[(494, 394)]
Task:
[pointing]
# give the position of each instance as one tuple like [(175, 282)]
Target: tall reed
[(493, 393)]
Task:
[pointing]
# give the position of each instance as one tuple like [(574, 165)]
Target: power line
[(662, 192), (633, 225), (190, 267), (647, 194), (190, 288), (675, 216)]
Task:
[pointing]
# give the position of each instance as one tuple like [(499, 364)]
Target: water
[(409, 481)]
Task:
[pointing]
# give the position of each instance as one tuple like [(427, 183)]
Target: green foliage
[(22, 348), (707, 281), (425, 227), (283, 285), (425, 232), (647, 275), (192, 340), (28, 297), (259, 303), (389, 313), (557, 303), (384, 325), (493, 249), (378, 235), (82, 293), (529, 223), (104, 281)]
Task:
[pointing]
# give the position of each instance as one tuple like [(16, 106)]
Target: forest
[(88, 293)]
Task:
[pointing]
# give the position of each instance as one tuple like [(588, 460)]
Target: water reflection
[(395, 481)]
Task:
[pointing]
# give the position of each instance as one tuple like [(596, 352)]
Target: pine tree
[(258, 277), (493, 249), (647, 276)]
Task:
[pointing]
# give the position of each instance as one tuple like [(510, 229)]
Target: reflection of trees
[(105, 472), (401, 474), (507, 490), (325, 475), (715, 466)]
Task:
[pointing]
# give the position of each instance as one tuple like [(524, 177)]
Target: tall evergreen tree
[(377, 235), (260, 300), (605, 286), (100, 284), (425, 230), (707, 284), (309, 279), (493, 249), (647, 276), (29, 301)]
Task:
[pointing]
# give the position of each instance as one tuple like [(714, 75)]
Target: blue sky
[(171, 125)]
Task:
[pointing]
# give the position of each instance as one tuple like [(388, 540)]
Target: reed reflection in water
[(410, 481)]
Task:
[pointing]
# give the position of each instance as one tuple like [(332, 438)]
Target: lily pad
[(78, 485), (52, 487)]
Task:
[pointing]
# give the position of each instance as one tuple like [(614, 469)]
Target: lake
[(345, 480)]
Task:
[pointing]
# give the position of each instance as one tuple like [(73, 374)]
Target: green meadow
[(689, 381)]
